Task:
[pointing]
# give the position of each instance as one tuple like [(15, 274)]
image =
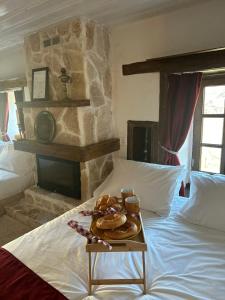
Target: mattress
[(11, 183), (183, 261)]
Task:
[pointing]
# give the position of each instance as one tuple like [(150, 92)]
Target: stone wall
[(84, 50)]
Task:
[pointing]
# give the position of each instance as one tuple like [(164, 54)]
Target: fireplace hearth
[(59, 176)]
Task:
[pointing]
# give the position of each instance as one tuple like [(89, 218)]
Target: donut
[(125, 231), (111, 221)]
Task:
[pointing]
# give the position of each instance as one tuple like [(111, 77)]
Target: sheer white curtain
[(12, 124), (185, 154)]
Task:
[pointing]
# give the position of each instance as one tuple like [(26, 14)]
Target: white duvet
[(183, 261)]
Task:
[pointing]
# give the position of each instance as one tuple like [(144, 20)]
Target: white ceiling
[(20, 17)]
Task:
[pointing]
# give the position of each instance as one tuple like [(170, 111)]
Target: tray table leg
[(89, 274), (144, 274)]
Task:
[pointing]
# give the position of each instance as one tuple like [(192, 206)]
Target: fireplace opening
[(58, 175)]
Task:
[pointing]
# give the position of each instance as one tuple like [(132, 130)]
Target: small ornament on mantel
[(65, 80)]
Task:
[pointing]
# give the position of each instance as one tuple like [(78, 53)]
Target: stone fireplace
[(84, 50)]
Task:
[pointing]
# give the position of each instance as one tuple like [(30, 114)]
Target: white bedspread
[(183, 261), (12, 184)]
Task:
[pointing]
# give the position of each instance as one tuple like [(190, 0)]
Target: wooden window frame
[(208, 80)]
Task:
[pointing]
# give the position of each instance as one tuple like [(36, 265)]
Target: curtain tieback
[(169, 151)]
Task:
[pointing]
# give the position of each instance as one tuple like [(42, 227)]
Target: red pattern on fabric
[(87, 234), (18, 282)]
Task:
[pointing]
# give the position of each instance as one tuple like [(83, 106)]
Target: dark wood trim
[(211, 145), (153, 143), (63, 103), (213, 79), (197, 132), (188, 62), (213, 115), (69, 152), (208, 80), (222, 168)]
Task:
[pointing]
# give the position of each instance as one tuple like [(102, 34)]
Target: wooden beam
[(69, 152), (53, 103), (188, 62), (12, 84)]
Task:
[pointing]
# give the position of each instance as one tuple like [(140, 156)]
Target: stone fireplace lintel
[(69, 152)]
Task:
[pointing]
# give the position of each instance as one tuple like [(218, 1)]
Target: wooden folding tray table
[(136, 244)]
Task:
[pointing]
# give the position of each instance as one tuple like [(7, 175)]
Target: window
[(8, 115), (13, 122), (209, 126)]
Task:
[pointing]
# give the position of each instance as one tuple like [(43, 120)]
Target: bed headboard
[(142, 141)]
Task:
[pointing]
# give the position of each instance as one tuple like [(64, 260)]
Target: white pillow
[(206, 205), (18, 162), (154, 184)]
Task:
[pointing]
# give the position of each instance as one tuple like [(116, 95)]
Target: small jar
[(132, 204), (126, 192)]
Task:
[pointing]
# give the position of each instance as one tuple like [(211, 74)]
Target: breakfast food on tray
[(106, 201), (111, 221), (125, 231), (119, 224)]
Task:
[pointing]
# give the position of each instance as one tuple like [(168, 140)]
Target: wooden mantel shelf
[(69, 152), (53, 103)]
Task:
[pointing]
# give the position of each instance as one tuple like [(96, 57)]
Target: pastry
[(111, 221), (125, 231), (105, 202), (102, 201)]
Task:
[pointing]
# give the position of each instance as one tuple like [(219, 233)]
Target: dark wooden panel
[(142, 141), (69, 152), (188, 62), (63, 103)]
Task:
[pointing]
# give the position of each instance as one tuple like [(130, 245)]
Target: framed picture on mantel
[(40, 84)]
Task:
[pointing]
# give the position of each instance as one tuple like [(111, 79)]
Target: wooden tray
[(101, 233), (135, 243)]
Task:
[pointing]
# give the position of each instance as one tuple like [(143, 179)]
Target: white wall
[(12, 63), (136, 97)]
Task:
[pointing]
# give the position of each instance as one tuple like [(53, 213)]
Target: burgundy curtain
[(4, 116), (183, 92)]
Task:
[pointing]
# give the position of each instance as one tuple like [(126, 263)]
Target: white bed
[(184, 261), (12, 183), (16, 171)]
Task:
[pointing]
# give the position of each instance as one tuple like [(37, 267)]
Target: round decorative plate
[(100, 232), (44, 127)]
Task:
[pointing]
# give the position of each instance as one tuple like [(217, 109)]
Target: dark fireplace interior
[(58, 175)]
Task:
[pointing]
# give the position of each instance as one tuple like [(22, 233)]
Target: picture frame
[(40, 83)]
